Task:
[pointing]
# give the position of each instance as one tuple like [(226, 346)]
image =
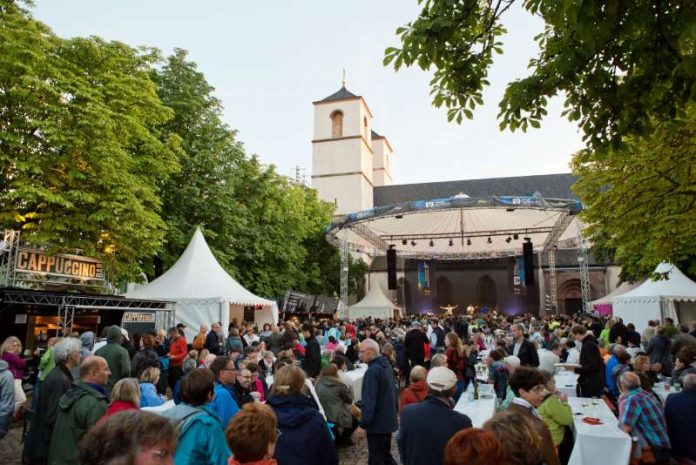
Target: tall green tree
[(627, 74), (79, 162), (641, 199), (264, 229)]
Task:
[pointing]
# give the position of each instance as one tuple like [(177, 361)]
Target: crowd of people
[(281, 393)]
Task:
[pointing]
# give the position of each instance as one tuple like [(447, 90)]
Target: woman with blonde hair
[(148, 393), (456, 361), (304, 435), (10, 351), (125, 396)]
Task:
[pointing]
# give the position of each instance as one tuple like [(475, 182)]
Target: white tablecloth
[(604, 444), (479, 411), (356, 376), (659, 389), (566, 382), (160, 408)]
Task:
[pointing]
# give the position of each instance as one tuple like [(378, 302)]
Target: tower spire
[(343, 80)]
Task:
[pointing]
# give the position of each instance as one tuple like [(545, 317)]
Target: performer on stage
[(448, 309)]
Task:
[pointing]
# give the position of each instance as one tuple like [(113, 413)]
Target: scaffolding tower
[(583, 263)]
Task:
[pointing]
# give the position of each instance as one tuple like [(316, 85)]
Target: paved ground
[(11, 447), (357, 454)]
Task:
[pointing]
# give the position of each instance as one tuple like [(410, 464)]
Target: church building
[(351, 167)]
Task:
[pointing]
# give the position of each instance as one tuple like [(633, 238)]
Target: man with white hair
[(421, 441), (680, 411), (67, 354), (379, 419), (643, 414)]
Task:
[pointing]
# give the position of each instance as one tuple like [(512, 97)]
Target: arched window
[(336, 124), (486, 292)]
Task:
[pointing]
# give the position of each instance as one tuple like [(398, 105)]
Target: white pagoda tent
[(204, 292), (673, 297), (603, 305), (374, 304)]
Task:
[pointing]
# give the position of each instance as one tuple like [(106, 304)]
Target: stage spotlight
[(413, 243), (432, 244), (468, 242), (490, 241), (451, 243), (508, 240), (404, 242), (515, 236)]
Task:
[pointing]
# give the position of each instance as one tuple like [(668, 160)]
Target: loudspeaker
[(391, 269), (528, 255)]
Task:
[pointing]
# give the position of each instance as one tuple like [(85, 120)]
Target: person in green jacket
[(116, 356), (78, 410), (555, 411)]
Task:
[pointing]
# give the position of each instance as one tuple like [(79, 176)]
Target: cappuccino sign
[(67, 266)]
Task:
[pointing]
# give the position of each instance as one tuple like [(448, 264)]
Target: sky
[(270, 59)]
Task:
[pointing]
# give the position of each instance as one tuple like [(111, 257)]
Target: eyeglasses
[(538, 389), (246, 377)]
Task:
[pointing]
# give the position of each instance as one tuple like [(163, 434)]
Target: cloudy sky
[(268, 60)]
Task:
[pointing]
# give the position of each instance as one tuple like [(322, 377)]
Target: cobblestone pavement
[(11, 446), (357, 454)]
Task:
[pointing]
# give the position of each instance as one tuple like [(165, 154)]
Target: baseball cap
[(181, 325), (441, 379), (512, 360)]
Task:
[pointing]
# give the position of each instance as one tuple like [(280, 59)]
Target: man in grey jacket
[(7, 398)]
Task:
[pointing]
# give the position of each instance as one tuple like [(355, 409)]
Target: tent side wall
[(267, 314), (382, 313), (637, 312), (196, 312)]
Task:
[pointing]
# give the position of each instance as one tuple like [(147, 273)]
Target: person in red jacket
[(125, 396), (417, 390), (177, 354)]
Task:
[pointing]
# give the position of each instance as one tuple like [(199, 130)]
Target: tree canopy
[(79, 160), (112, 151), (627, 74)]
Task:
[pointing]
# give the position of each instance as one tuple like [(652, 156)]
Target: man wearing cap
[(116, 357), (425, 428)]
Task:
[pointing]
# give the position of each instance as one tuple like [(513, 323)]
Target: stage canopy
[(460, 227), (203, 291)]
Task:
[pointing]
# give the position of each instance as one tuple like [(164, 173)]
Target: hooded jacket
[(379, 398), (304, 435), (78, 410), (116, 357), (201, 437), (413, 394), (144, 358), (7, 398), (335, 397), (57, 383)]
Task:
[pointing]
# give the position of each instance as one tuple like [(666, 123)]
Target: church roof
[(341, 94), (376, 136), (548, 185)]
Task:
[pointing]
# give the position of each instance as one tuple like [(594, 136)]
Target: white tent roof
[(374, 299), (676, 287), (620, 290), (198, 275)]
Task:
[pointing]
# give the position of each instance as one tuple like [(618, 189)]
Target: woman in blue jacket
[(148, 392), (304, 435), (201, 436)]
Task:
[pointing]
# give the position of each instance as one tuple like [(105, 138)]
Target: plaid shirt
[(643, 413)]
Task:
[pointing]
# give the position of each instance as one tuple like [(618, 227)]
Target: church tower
[(342, 155)]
